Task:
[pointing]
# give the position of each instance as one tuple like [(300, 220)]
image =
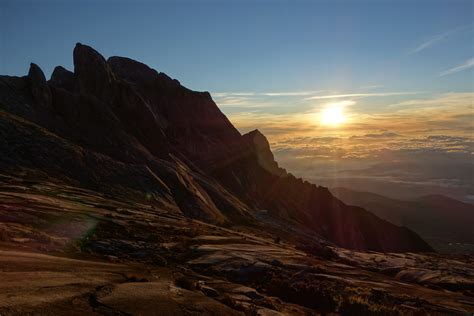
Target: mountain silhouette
[(443, 222), (118, 127)]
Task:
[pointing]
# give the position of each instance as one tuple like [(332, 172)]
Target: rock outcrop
[(263, 152), (62, 78), (119, 127), (39, 87)]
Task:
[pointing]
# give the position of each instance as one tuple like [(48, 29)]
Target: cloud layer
[(424, 142)]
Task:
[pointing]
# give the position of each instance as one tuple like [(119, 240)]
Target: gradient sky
[(402, 71), (253, 46)]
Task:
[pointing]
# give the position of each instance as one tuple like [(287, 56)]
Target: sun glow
[(333, 114)]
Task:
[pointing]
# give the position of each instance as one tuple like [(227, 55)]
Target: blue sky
[(254, 46)]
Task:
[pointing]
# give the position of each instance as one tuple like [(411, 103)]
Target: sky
[(344, 90)]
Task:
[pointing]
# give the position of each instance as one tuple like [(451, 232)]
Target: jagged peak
[(35, 73), (60, 69), (62, 78), (83, 53), (38, 86), (261, 147), (91, 70), (131, 61), (258, 139), (256, 132), (132, 70), (139, 73)]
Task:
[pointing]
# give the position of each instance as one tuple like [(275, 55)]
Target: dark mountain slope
[(313, 207), (194, 124), (444, 222), (122, 128)]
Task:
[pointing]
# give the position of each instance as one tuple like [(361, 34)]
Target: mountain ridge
[(444, 222), (168, 145)]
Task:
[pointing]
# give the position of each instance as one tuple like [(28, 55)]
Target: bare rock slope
[(73, 251)]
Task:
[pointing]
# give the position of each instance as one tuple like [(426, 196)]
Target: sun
[(333, 115)]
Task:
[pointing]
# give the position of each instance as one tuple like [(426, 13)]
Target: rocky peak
[(261, 147), (36, 74), (62, 78), (93, 75), (140, 74), (131, 70), (38, 86)]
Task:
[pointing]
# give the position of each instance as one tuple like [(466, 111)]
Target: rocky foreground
[(66, 250)]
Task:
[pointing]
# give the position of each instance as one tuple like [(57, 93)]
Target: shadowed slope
[(444, 222)]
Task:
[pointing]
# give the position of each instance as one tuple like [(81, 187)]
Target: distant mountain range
[(118, 127), (445, 223)]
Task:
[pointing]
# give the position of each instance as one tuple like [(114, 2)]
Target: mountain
[(443, 222), (124, 193), (118, 127)]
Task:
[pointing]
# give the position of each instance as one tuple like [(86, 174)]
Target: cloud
[(229, 94), (294, 93), (384, 134), (450, 99), (341, 104), (267, 93), (242, 103), (233, 101), (279, 102), (466, 65), (430, 42), (336, 96), (371, 87), (431, 130), (258, 100), (435, 39)]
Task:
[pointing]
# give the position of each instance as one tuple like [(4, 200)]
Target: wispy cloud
[(380, 135), (268, 94), (437, 38), (229, 94), (371, 87), (466, 65), (289, 94), (430, 42), (242, 102), (232, 97), (451, 99), (336, 96)]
